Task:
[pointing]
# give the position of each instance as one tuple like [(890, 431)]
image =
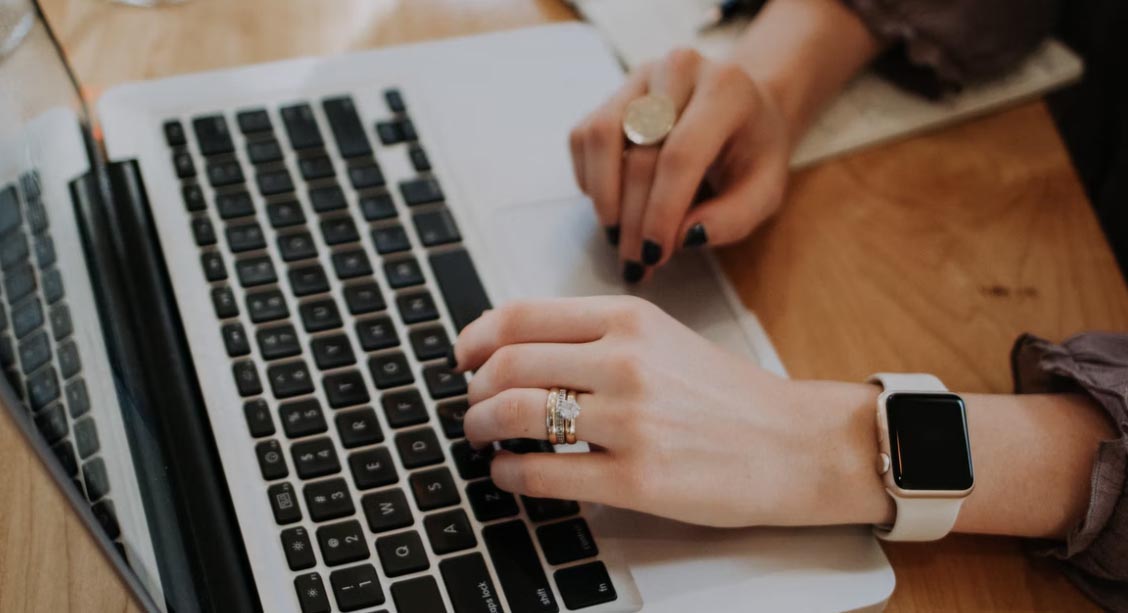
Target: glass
[(928, 442)]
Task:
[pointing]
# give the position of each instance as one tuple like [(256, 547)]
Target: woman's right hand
[(730, 133)]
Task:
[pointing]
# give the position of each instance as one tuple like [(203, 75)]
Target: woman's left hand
[(678, 427)]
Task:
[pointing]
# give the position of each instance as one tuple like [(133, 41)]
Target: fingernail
[(696, 236), (612, 235), (632, 272), (452, 360), (651, 252)]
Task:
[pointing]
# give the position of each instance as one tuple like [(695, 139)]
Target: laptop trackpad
[(557, 248)]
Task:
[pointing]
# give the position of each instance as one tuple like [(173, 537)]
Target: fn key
[(585, 586)]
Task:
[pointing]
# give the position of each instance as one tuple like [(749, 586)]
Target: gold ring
[(550, 416), (648, 119), (571, 413)]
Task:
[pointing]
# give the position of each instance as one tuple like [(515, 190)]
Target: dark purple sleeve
[(1095, 553)]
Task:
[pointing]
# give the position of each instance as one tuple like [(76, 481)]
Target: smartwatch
[(924, 455)]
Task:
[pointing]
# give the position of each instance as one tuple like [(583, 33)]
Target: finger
[(570, 476), (557, 320), (534, 365), (733, 215), (521, 413), (693, 145), (676, 75), (603, 149), (576, 145), (638, 175)]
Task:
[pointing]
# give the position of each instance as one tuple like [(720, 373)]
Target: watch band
[(917, 519)]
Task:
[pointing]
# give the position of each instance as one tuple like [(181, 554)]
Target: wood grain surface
[(931, 254)]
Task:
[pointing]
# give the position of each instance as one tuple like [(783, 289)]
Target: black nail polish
[(696, 236), (632, 272), (651, 252), (612, 235), (451, 359)]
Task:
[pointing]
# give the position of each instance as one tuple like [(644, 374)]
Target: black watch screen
[(928, 441)]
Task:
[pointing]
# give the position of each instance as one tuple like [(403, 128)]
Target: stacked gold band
[(560, 413)]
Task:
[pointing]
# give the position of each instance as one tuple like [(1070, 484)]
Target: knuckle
[(628, 368), (728, 73), (510, 318), (509, 413), (602, 130), (682, 60)]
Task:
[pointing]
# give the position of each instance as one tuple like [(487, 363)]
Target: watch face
[(928, 442)]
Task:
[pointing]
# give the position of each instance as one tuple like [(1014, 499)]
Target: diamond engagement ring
[(561, 411)]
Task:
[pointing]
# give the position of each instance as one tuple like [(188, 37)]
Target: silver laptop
[(223, 327)]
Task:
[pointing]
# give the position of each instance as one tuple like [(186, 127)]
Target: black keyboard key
[(315, 458), (419, 159), (308, 280), (358, 428), (264, 151), (212, 135), (320, 315), (43, 388), (419, 448), (13, 251), (490, 503), (339, 230), (52, 423), (390, 370), (469, 585), (236, 204), (235, 340), (328, 198), (296, 246), (390, 132), (403, 273), (567, 541), (69, 362), (408, 129), (356, 588), (182, 162), (278, 342), (391, 239), (316, 167), (214, 268), (404, 408), (527, 445), (519, 568), (10, 215), (224, 173), (44, 252), (373, 468), (449, 531), (253, 121), (585, 586), (332, 351), (301, 125), (346, 127), (285, 214), (417, 307), (302, 418), (311, 593), (471, 463), (271, 463), (259, 422), (395, 100), (434, 489), (61, 325), (451, 415), (19, 282), (364, 298), (35, 351), (85, 436), (298, 548), (284, 504), (245, 237), (424, 190), (26, 317), (271, 182), (442, 382), (430, 343), (378, 207), (376, 333), (78, 400), (224, 302), (96, 479), (419, 595), (52, 286), (342, 543), (350, 264), (544, 509), (174, 133), (436, 228), (462, 289), (345, 389), (247, 378), (104, 513), (193, 198), (203, 231), (255, 271), (289, 380), (328, 500), (366, 176), (64, 451), (267, 306), (402, 554)]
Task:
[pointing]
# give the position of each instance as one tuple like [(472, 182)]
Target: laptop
[(225, 302)]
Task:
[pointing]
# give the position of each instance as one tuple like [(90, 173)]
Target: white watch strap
[(918, 519)]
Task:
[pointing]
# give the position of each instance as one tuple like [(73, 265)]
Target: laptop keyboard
[(38, 350), (378, 499)]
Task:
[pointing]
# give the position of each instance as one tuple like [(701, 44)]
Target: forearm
[(804, 52), (1033, 457)]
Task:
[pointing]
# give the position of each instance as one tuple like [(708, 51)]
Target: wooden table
[(931, 254)]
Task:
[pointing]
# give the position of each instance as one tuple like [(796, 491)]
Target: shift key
[(518, 568)]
